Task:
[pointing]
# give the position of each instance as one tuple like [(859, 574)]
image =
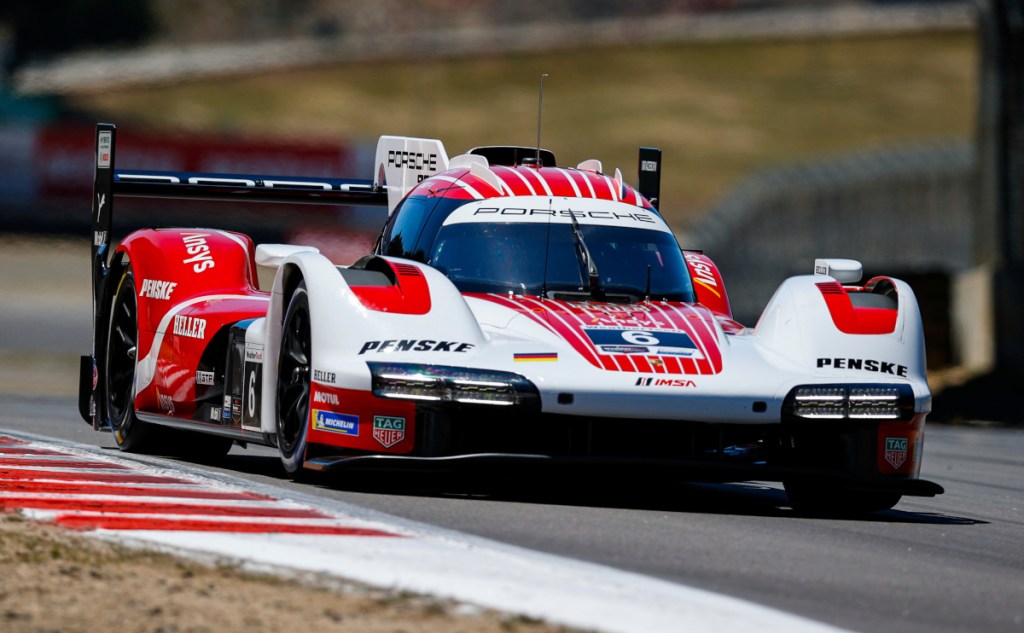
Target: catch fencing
[(900, 211)]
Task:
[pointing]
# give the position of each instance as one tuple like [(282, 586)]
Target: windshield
[(543, 259)]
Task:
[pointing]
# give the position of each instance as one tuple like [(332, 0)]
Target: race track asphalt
[(951, 563)]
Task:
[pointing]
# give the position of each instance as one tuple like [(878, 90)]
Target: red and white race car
[(514, 312)]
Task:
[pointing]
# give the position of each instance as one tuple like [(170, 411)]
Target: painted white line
[(462, 567)]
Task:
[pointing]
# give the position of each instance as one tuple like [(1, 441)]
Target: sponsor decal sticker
[(664, 382), (324, 397), (863, 364), (253, 353), (104, 143), (519, 212), (414, 345), (416, 161), (702, 274), (896, 451), (388, 430), (165, 402), (535, 357), (215, 413), (342, 423), (628, 341), (156, 289), (99, 238), (198, 251), (320, 375), (204, 377), (190, 327)]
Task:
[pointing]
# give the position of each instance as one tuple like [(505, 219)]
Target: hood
[(653, 337)]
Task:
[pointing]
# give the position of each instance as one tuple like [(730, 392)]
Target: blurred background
[(889, 131)]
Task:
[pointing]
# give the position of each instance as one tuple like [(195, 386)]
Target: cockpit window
[(543, 259)]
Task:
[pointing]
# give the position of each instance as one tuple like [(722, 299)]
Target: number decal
[(637, 337), (252, 394)]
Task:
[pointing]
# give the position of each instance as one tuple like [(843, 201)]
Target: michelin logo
[(342, 423)]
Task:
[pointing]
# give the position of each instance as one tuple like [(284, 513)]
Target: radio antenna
[(540, 109)]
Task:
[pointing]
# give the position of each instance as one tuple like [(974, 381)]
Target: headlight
[(463, 385), (851, 402)]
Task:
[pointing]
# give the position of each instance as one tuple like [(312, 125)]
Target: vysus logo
[(196, 246), (413, 160), (155, 289), (325, 398), (413, 345), (864, 365)]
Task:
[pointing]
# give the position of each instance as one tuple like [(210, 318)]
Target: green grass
[(719, 110)]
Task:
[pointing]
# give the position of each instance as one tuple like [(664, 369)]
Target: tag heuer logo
[(388, 430), (896, 451)]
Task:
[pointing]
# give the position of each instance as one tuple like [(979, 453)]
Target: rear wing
[(110, 183)]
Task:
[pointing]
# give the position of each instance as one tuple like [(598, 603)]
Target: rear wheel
[(293, 382), (813, 497), (121, 360)]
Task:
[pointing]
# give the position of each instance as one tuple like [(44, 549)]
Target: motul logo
[(325, 398)]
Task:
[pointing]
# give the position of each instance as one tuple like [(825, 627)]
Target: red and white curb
[(156, 502)]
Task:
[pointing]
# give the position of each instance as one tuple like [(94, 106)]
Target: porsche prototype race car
[(512, 312)]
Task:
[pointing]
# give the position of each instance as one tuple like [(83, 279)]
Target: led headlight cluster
[(463, 385), (851, 402)]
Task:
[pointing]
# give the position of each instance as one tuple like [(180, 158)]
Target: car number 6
[(637, 337)]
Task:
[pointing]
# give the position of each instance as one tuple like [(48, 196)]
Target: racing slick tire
[(293, 382), (120, 362), (816, 498)]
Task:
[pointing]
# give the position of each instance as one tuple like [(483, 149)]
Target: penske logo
[(156, 289)]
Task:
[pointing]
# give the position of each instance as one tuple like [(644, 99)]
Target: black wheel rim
[(122, 348), (293, 376)]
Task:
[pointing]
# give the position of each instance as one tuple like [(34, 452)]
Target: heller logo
[(342, 423), (388, 430), (190, 327), (896, 451)]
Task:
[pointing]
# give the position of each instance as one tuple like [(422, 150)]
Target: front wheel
[(812, 497), (293, 382)]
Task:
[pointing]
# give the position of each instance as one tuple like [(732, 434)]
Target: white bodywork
[(794, 343)]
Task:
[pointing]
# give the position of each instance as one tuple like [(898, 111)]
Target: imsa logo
[(664, 382)]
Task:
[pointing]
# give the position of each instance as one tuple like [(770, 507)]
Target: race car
[(512, 312)]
